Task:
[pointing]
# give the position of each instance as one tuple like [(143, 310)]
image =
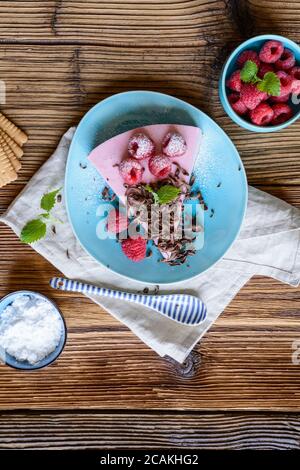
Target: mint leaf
[(48, 200), (155, 196), (167, 194), (249, 72), (36, 229), (270, 84), (33, 231)]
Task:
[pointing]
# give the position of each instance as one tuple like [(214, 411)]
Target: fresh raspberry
[(173, 145), (237, 104), (271, 52), (296, 87), (280, 99), (265, 68), (295, 73), (134, 248), (282, 113), (141, 146), (160, 166), (286, 82), (262, 114), (251, 96), (234, 82), (286, 61), (131, 171), (248, 55), (116, 221)]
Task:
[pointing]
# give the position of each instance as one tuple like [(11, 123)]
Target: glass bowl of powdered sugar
[(32, 330)]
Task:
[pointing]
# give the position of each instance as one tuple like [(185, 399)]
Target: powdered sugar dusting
[(174, 145), (128, 164), (131, 170), (206, 166), (140, 146), (160, 166)]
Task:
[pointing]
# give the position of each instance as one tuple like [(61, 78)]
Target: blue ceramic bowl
[(230, 66), (24, 365)]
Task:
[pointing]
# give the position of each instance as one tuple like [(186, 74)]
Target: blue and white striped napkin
[(268, 245)]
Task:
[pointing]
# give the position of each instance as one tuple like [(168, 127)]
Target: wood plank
[(152, 23), (269, 15), (135, 22), (87, 431)]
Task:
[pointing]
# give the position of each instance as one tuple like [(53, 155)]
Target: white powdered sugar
[(30, 328), (174, 145), (140, 146)]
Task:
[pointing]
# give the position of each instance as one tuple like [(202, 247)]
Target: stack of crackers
[(11, 141)]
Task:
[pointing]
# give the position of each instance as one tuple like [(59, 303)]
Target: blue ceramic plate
[(219, 174)]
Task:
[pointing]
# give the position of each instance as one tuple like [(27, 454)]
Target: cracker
[(18, 151), (13, 131), (7, 172), (13, 159)]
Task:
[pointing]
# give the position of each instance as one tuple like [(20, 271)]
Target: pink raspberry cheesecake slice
[(108, 156)]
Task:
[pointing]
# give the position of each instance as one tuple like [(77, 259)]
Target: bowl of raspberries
[(260, 84)]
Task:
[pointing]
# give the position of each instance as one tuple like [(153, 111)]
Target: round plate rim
[(243, 173)]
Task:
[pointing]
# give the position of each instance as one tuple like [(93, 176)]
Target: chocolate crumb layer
[(145, 211)]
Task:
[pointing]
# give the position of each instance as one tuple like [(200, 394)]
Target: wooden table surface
[(239, 387)]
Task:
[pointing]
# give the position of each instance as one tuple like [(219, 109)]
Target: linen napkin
[(268, 245)]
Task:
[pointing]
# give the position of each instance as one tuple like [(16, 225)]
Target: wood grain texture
[(134, 22), (141, 23), (59, 58), (82, 431)]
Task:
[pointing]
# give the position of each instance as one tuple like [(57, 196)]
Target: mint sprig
[(36, 229), (48, 200), (270, 83), (33, 231), (248, 73), (165, 194), (168, 193)]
